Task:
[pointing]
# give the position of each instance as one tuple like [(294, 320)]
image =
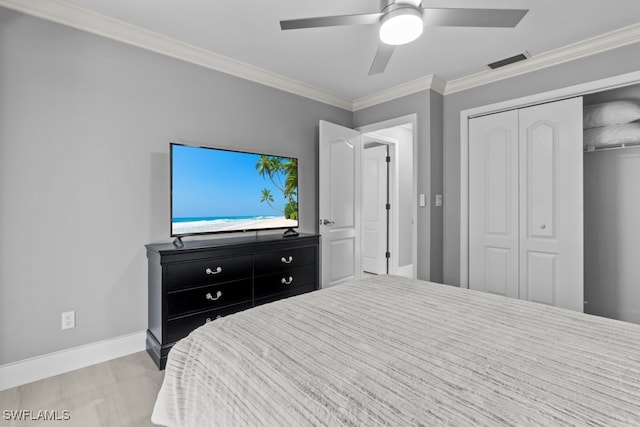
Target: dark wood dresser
[(209, 279)]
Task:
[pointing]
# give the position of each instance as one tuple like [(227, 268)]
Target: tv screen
[(216, 191)]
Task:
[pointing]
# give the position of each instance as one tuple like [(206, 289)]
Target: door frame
[(390, 123), (526, 101)]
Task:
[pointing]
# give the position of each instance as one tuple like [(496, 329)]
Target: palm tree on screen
[(283, 173), (267, 197)]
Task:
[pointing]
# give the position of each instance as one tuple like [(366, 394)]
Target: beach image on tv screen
[(218, 191)]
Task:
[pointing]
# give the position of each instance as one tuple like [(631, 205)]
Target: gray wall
[(626, 92), (607, 64), (85, 126), (612, 231), (437, 165), (429, 181), (612, 228)]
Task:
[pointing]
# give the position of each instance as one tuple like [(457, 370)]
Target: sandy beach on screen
[(263, 223), (209, 226)]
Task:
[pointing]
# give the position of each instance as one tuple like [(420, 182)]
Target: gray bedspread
[(391, 351)]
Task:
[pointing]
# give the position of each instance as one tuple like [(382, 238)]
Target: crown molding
[(612, 40), (86, 20), (83, 19), (430, 82)]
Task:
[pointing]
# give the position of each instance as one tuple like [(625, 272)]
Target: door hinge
[(387, 255), (388, 159), (388, 206)]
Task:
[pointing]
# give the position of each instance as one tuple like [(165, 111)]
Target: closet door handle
[(285, 281), (543, 226), (286, 260), (216, 271), (211, 297)]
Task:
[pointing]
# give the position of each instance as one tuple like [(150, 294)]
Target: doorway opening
[(388, 217), (340, 198)]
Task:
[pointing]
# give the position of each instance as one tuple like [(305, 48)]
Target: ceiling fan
[(402, 21)]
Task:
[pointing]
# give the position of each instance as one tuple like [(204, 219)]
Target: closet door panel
[(541, 179), (493, 203), (551, 204), (496, 263), (541, 277)]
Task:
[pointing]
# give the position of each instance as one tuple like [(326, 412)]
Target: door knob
[(327, 222)]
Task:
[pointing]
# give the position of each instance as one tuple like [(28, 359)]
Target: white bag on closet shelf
[(611, 113), (610, 136)]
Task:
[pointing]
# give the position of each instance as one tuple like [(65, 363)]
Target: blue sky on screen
[(217, 183)]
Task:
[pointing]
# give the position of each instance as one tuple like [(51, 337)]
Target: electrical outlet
[(68, 319)]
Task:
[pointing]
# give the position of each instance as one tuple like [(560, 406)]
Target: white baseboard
[(48, 365), (405, 270)]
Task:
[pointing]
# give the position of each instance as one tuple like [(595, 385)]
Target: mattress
[(393, 351)]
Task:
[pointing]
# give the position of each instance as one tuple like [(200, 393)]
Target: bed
[(393, 351)]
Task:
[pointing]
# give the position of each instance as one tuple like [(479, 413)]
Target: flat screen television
[(220, 191)]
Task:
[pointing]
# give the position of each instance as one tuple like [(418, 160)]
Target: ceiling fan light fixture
[(401, 26)]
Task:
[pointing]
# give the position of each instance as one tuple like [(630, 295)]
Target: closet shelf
[(591, 149)]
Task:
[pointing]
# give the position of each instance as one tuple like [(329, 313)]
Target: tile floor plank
[(118, 393)]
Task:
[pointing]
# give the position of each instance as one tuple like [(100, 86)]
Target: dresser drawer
[(208, 297), (181, 327), (284, 259), (285, 281), (207, 271), (288, 293)]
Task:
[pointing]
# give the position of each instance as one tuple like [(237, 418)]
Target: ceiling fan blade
[(473, 17), (331, 21), (380, 61)]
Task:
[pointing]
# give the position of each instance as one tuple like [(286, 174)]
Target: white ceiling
[(336, 60)]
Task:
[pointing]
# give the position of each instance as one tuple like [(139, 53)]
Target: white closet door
[(551, 204), (493, 203)]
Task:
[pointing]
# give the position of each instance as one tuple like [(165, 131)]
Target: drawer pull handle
[(209, 319), (211, 297), (286, 260), (285, 281), (217, 270)]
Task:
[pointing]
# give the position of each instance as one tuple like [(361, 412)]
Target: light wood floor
[(120, 392)]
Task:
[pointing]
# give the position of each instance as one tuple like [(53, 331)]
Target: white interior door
[(374, 212), (493, 203), (339, 203), (551, 204)]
